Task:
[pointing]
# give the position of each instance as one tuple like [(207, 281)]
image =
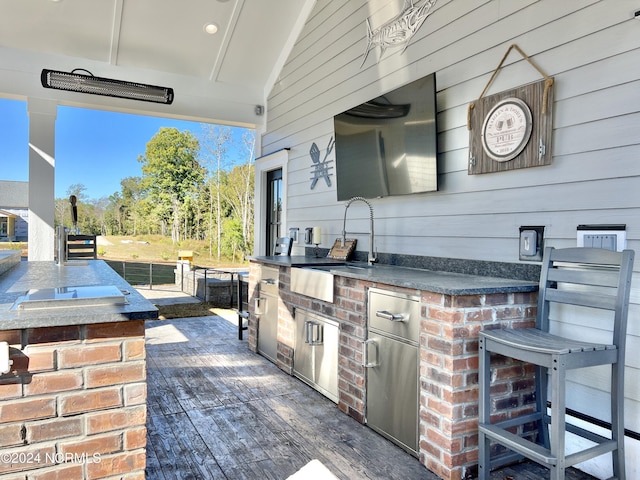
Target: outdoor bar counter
[(454, 307), (450, 283), (73, 404)]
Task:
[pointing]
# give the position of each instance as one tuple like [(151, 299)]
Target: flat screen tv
[(388, 145)]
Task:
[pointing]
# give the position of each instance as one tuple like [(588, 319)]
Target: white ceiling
[(218, 77)]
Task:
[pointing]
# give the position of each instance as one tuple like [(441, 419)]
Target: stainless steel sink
[(85, 296), (346, 266), (315, 282)]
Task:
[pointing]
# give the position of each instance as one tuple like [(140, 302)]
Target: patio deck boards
[(218, 411)]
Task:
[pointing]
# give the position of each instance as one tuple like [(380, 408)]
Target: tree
[(239, 194), (132, 192), (216, 140), (101, 207), (171, 173), (208, 198)]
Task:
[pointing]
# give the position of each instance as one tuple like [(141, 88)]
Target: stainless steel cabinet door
[(303, 358), (392, 390), (326, 362), (316, 353)]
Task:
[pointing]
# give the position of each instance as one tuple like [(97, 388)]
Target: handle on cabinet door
[(365, 354), (394, 317), (258, 304), (314, 333), (269, 281)]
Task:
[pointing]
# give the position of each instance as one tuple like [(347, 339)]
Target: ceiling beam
[(118, 6), (228, 33)]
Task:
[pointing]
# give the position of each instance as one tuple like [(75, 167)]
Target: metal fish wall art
[(400, 29)]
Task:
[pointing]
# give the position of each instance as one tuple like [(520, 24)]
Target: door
[(267, 312), (316, 354), (326, 361), (274, 209), (392, 390)]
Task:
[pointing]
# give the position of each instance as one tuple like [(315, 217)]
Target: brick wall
[(449, 375), (74, 404)]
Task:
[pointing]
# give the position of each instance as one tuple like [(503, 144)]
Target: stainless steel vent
[(78, 82)]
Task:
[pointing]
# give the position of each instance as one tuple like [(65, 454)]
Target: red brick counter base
[(74, 404), (449, 375)]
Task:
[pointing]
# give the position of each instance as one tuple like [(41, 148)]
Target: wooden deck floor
[(218, 411)]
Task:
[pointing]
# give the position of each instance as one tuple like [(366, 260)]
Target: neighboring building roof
[(4, 213), (14, 194)]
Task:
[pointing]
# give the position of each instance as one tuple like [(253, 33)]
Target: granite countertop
[(26, 276), (447, 283), (9, 259), (6, 254)]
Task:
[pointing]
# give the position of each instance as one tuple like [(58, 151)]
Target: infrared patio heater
[(88, 83)]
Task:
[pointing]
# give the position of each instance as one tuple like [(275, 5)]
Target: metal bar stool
[(593, 278), (242, 302)]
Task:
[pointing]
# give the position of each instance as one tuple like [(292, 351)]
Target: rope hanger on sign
[(547, 84)]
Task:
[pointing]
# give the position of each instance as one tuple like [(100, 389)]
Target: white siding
[(590, 47)]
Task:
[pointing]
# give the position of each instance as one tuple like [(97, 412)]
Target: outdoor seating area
[(319, 240)]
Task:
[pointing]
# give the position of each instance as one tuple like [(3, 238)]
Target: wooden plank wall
[(590, 47)]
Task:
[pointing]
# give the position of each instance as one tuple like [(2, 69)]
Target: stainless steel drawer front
[(396, 314)]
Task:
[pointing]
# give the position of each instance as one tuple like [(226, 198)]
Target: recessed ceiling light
[(211, 28)]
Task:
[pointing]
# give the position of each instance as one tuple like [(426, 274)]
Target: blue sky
[(94, 148)]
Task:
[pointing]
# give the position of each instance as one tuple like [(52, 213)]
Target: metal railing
[(193, 280), (198, 281), (142, 273)]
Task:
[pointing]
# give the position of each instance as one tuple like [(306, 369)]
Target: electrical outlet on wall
[(531, 243), (293, 234), (607, 236)]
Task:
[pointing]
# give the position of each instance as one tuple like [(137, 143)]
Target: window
[(274, 209)]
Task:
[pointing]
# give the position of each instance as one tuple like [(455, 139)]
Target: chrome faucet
[(371, 257)]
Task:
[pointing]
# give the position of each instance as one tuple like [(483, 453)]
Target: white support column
[(42, 119)]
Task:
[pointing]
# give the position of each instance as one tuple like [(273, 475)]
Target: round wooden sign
[(506, 129)]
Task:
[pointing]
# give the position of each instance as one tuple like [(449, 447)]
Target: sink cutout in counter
[(85, 296), (359, 266)]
